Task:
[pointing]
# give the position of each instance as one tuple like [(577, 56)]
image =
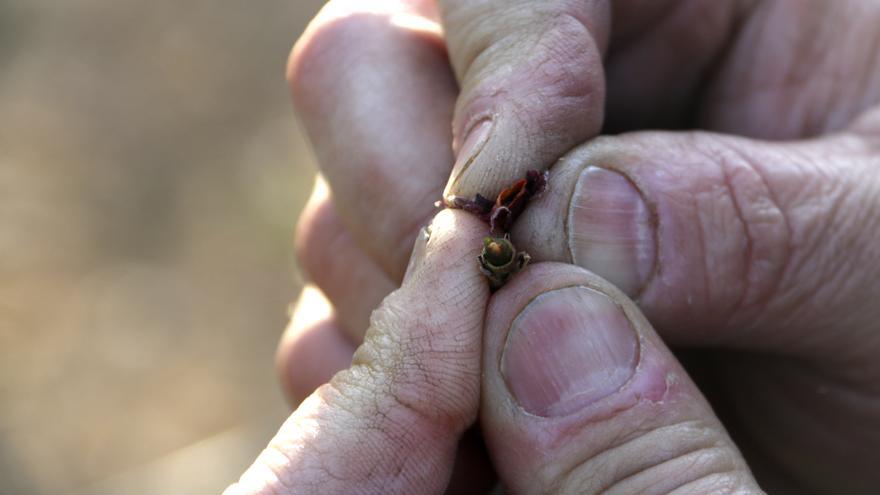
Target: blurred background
[(151, 173)]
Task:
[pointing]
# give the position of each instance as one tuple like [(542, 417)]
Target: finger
[(373, 88), (725, 240), (796, 70), (774, 70), (334, 262), (311, 351), (391, 422), (661, 56), (532, 85), (313, 347), (580, 395)]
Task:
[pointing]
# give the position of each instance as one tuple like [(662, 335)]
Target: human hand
[(575, 391), (376, 96)]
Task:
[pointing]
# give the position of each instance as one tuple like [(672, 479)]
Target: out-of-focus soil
[(151, 172)]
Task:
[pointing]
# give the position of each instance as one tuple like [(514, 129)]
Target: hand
[(376, 95), (577, 393)]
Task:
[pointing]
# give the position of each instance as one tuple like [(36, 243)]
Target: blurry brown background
[(151, 172)]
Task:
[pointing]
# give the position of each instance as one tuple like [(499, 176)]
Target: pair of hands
[(757, 240)]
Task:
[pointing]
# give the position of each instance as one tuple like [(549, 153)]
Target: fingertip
[(456, 230), (453, 241)]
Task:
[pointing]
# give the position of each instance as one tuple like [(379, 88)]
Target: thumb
[(391, 422), (727, 241), (581, 396), (532, 85)]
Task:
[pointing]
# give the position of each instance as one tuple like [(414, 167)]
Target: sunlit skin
[(752, 239)]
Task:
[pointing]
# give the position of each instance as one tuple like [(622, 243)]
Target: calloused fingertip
[(450, 250)]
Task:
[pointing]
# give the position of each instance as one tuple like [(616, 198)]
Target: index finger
[(391, 422)]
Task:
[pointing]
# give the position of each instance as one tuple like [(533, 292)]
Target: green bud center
[(497, 251)]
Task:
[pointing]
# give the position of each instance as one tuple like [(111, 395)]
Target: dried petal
[(500, 220), (537, 182), (480, 205), (512, 194), (508, 205)]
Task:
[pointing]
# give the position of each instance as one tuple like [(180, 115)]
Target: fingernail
[(418, 252), (610, 229), (470, 149), (568, 349)]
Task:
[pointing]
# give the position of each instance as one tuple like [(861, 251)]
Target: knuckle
[(322, 245), (834, 230), (661, 458), (724, 229), (308, 239), (302, 55), (325, 42), (569, 62), (763, 243), (717, 197), (803, 227), (302, 246)]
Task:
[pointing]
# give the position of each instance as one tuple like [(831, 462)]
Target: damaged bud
[(510, 203), (500, 260)]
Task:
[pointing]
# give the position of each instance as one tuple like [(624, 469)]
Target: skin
[(775, 301)]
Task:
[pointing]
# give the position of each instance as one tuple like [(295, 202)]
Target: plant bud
[(500, 260)]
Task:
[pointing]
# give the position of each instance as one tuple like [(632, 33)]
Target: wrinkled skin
[(758, 247)]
